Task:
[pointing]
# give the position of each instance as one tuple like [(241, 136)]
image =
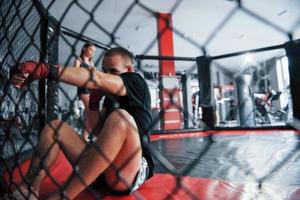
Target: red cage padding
[(161, 186)]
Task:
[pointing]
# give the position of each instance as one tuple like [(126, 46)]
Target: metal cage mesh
[(28, 32)]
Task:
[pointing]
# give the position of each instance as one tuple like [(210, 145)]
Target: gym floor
[(220, 164)]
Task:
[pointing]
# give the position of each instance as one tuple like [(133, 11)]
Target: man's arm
[(91, 78), (95, 118)]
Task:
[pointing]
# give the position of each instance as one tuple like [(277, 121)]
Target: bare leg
[(118, 148), (87, 129), (54, 136)]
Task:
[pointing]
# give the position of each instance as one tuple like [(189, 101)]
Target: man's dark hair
[(121, 51)]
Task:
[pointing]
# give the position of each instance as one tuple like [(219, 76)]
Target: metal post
[(52, 85), (187, 100), (205, 86), (42, 82), (49, 54), (292, 49)]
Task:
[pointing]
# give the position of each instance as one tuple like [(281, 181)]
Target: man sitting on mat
[(119, 158)]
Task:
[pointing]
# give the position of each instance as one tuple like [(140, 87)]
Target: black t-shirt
[(137, 103)]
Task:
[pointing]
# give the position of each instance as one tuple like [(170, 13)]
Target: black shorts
[(141, 176)]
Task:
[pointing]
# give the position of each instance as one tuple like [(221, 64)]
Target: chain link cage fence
[(207, 95), (20, 111)]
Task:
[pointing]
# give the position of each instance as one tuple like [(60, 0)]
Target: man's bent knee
[(54, 125), (52, 129), (122, 119)]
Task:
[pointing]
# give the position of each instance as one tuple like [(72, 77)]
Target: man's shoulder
[(132, 75), (135, 80)]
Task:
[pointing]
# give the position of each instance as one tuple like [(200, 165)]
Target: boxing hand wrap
[(95, 97), (38, 70)]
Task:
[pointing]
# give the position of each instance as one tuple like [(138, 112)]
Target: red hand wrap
[(38, 70)]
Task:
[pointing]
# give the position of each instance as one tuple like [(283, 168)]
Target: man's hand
[(28, 71), (19, 80)]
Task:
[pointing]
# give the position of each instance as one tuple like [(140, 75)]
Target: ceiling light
[(248, 58)]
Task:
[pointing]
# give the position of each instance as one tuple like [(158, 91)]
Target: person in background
[(85, 60)]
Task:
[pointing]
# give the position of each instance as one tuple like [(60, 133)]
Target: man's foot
[(23, 193)]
